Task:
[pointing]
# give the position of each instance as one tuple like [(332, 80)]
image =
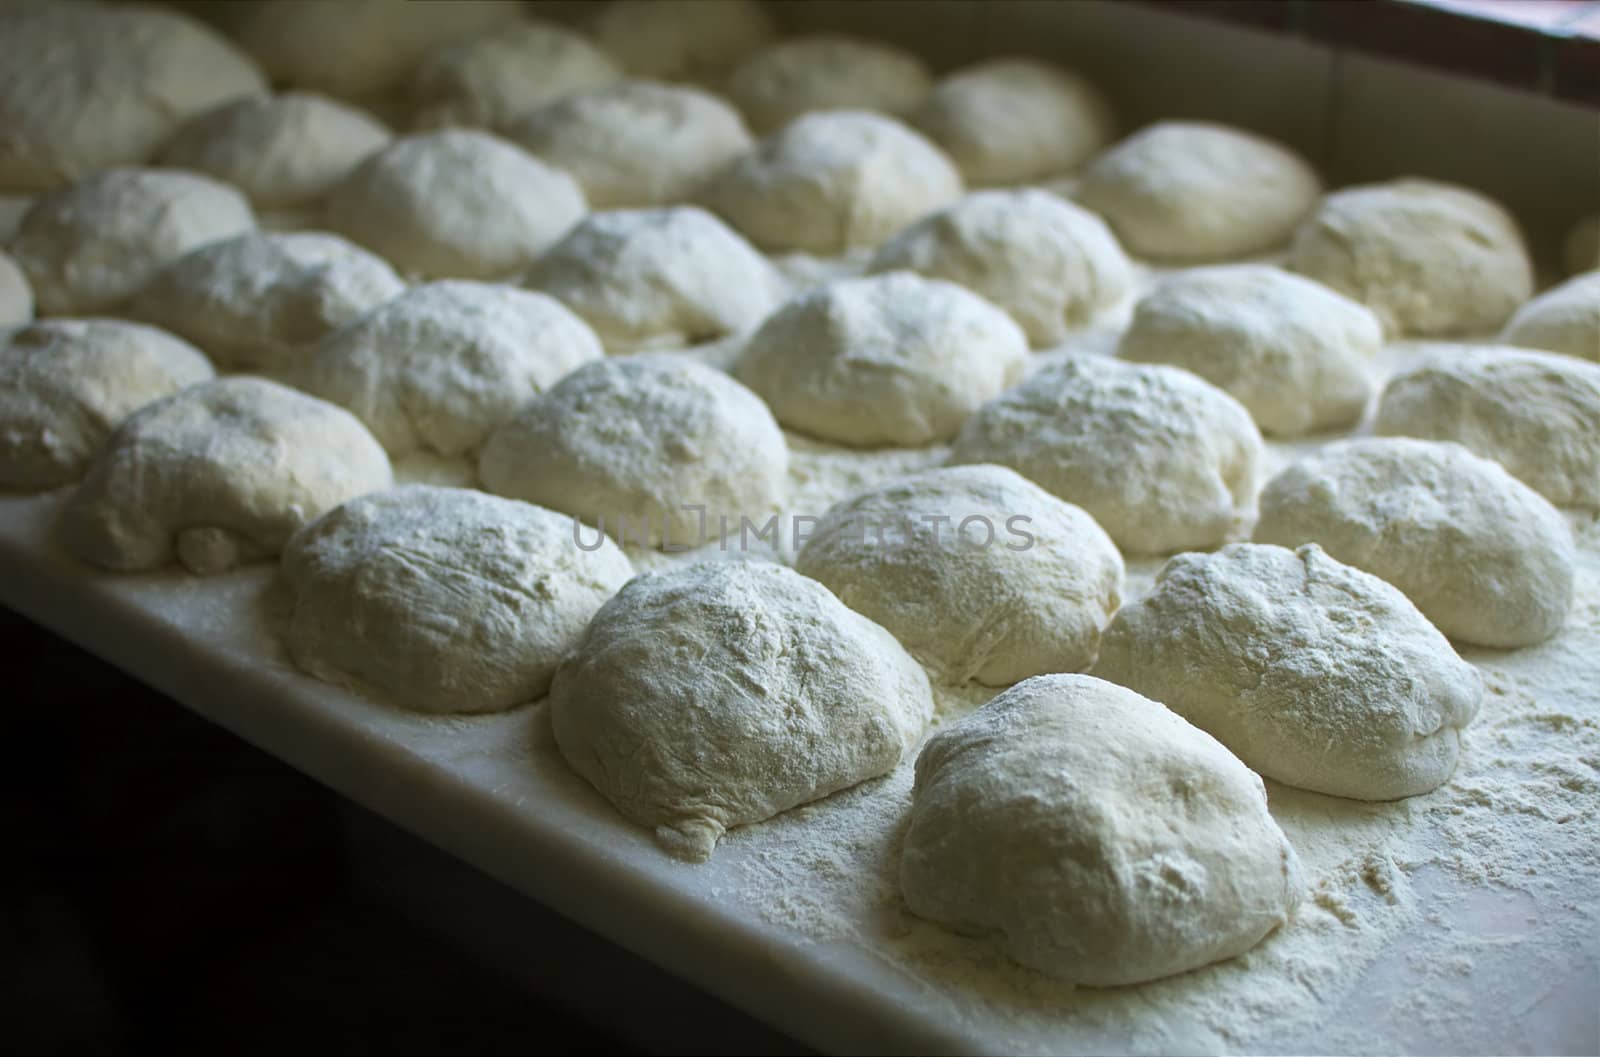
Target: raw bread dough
[(90, 247), (1563, 319), (1581, 252), (890, 359), (826, 72), (1097, 836), (1193, 191), (1536, 414), (1429, 258), (65, 384), (442, 366), (1485, 557), (1317, 674), (635, 445), (443, 599), (1052, 265), (1162, 460), (1294, 352), (217, 474), (16, 296), (695, 40), (832, 182), (717, 694)]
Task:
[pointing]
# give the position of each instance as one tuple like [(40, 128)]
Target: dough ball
[(65, 384), (16, 296), (1161, 459), (1581, 253), (90, 247), (1050, 264), (1100, 838), (890, 359), (636, 143), (442, 366), (443, 599), (1317, 674), (1536, 414), (1486, 558), (657, 448), (1564, 319), (658, 278), (826, 72), (832, 182), (1191, 191), (723, 693), (692, 40), (456, 203), (220, 473), (1291, 351), (1429, 258)]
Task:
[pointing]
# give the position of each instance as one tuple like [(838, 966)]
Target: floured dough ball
[(826, 72), (890, 359), (90, 247), (443, 599), (832, 182), (656, 448), (658, 278), (65, 384), (1536, 414), (1563, 319), (1191, 191), (1097, 836), (636, 143), (220, 473), (723, 693), (283, 151), (1317, 674), (456, 203), (16, 296), (1581, 252), (1050, 264), (1292, 351), (1161, 459), (1429, 258), (687, 40), (1486, 558), (442, 366)]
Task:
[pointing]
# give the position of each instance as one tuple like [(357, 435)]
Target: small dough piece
[(1317, 674), (1563, 319), (638, 444), (218, 474), (1163, 460), (1294, 352), (658, 278), (1052, 265), (685, 40), (1097, 836), (455, 204), (16, 296), (65, 384), (12, 209), (890, 359), (90, 247), (1429, 258), (718, 694), (1486, 558), (1536, 414), (443, 365), (826, 72), (832, 182), (1581, 252), (443, 599)]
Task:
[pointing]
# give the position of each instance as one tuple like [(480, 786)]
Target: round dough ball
[(16, 296), (457, 204), (1581, 252), (890, 359), (826, 72), (1486, 558), (1161, 459), (1564, 319), (1050, 264), (65, 384), (443, 365), (1535, 414), (1100, 838), (217, 474), (723, 693), (1290, 350), (692, 40), (832, 182), (658, 278), (443, 599), (90, 247), (1192, 191), (664, 448), (1317, 674), (1429, 258)]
